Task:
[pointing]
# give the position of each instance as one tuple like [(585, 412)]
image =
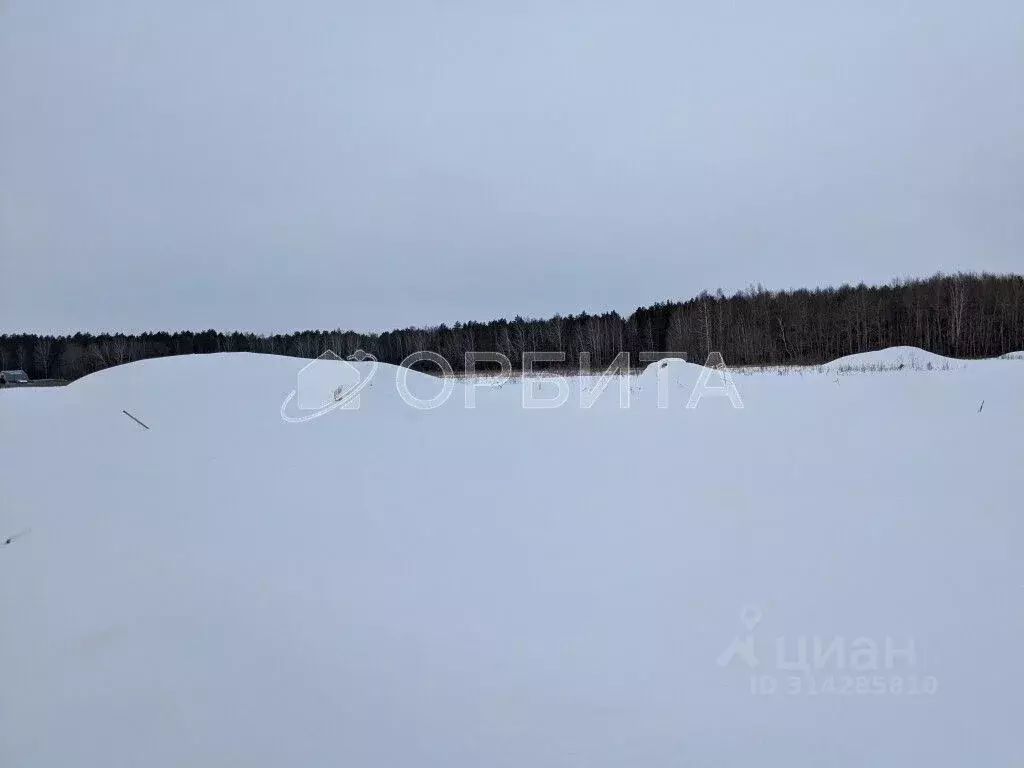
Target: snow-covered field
[(829, 576)]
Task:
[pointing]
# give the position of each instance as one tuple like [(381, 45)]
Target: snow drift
[(896, 358)]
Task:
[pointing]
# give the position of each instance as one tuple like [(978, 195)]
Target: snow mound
[(671, 366), (218, 370), (895, 359), (239, 376), (1013, 356)]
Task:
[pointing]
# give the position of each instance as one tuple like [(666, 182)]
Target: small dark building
[(13, 377)]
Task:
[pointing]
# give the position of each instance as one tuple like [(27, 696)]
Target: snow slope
[(500, 587), (896, 358)]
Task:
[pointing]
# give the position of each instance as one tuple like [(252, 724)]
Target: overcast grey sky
[(271, 166)]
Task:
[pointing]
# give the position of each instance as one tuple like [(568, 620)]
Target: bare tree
[(42, 354)]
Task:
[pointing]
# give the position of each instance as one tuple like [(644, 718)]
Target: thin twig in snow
[(134, 419)]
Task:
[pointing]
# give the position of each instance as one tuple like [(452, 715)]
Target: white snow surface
[(389, 587)]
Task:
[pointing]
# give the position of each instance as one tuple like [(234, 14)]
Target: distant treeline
[(964, 315)]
